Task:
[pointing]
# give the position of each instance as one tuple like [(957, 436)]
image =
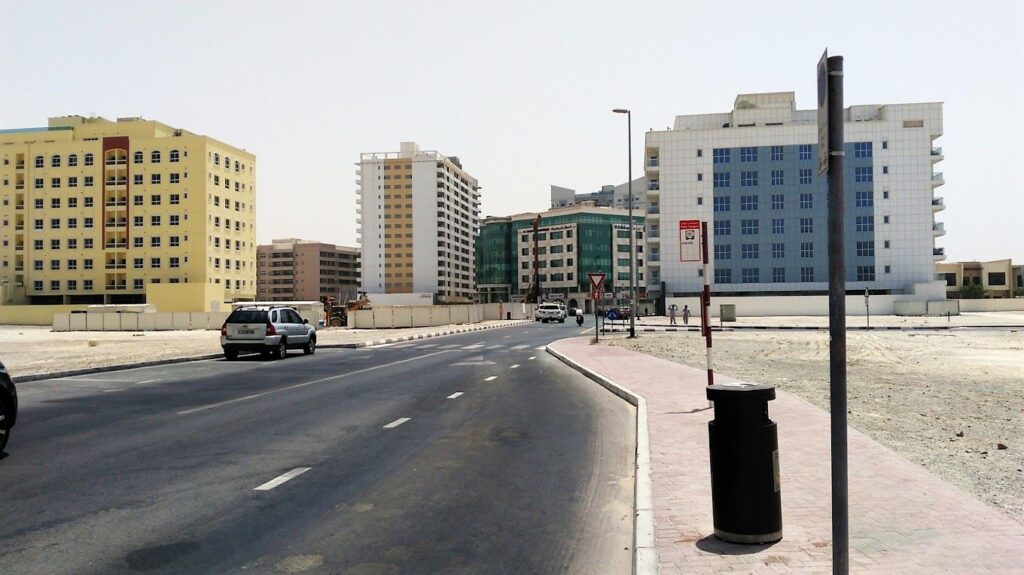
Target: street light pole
[(632, 233)]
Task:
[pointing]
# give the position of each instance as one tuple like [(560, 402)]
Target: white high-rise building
[(418, 220), (751, 174)]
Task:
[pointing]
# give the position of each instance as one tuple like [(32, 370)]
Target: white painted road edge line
[(492, 378), (455, 395), (283, 478), (397, 422), (513, 366), (645, 552)]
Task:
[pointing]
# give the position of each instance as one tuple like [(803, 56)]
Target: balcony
[(936, 155), (19, 166), (117, 161), (938, 205), (19, 186), (652, 162), (112, 287), (653, 209), (116, 182), (939, 229), (115, 224), (19, 247), (653, 234), (19, 227), (653, 257), (653, 186), (20, 206), (939, 254), (115, 245), (937, 179), (19, 268), (116, 266)]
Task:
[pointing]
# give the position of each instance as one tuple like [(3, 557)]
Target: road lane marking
[(397, 422), (533, 357), (541, 347), (450, 346), (474, 346), (514, 366), (499, 346), (520, 346), (455, 395), (283, 478), (506, 337), (492, 378), (112, 390), (304, 384), (426, 345), (147, 381)]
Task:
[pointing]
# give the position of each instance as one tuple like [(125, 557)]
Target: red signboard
[(689, 241)]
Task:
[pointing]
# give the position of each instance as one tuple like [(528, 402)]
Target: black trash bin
[(508, 315), (744, 446)]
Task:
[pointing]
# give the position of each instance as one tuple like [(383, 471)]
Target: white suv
[(270, 330), (550, 312)]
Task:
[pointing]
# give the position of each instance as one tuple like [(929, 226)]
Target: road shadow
[(712, 544)]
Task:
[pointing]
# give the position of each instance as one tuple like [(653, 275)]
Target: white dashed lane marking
[(514, 366), (492, 378), (397, 422), (283, 478), (520, 346), (455, 395), (499, 346), (449, 346), (533, 357), (474, 346)]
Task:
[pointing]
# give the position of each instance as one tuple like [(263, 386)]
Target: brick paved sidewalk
[(902, 518)]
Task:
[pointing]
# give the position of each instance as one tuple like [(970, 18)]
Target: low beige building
[(304, 270), (999, 278)]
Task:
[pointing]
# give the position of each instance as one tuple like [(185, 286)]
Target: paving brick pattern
[(902, 518)]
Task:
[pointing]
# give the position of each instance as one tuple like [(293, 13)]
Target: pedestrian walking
[(672, 314), (686, 315)]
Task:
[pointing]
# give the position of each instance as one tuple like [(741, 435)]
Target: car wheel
[(310, 347), (281, 351), (231, 354), (561, 320), (5, 424)]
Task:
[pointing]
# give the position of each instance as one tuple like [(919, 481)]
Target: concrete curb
[(816, 328), (645, 554), (124, 366)]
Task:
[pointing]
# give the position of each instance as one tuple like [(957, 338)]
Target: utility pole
[(830, 97), (632, 233)]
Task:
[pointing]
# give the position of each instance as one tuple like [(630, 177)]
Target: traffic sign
[(823, 113), (596, 279), (689, 241)]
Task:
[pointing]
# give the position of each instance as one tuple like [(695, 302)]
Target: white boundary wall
[(434, 315), (162, 321), (1004, 304)]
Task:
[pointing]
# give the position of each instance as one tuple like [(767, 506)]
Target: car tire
[(231, 354), (281, 351), (5, 424), (310, 347), (561, 320)]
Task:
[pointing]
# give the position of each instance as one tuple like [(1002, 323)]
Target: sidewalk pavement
[(902, 518), (1002, 319)]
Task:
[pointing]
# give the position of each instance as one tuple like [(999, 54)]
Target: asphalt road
[(475, 453)]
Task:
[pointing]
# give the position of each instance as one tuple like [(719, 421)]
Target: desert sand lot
[(943, 399), (29, 350)]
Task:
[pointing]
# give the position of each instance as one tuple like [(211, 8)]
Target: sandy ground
[(945, 400), (28, 350)]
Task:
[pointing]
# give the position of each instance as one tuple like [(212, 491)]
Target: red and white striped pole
[(705, 300)]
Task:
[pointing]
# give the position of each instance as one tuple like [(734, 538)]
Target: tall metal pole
[(632, 234), (705, 301), (837, 320)]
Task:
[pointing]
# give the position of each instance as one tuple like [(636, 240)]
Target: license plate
[(247, 331)]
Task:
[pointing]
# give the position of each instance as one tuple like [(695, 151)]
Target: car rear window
[(247, 316), (549, 307)]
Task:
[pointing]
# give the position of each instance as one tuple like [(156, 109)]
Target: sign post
[(705, 301), (830, 160), (596, 280)]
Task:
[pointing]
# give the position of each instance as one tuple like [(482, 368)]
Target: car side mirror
[(305, 321)]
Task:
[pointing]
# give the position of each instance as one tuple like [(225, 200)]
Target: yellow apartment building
[(94, 211)]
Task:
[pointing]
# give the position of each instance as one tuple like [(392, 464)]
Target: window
[(37, 265), (173, 157), (73, 181), (175, 199), (38, 203), (137, 157), (88, 181), (72, 264), (37, 224), (72, 285), (87, 285), (54, 182), (73, 243), (885, 144), (866, 248), (750, 251), (137, 241), (778, 275), (38, 184), (723, 252), (72, 160), (137, 283), (805, 152), (88, 243), (807, 249), (721, 180), (154, 242), (865, 273), (748, 227), (154, 220), (40, 162), (87, 223), (72, 202), (865, 199), (885, 195), (776, 177), (865, 223), (37, 244), (137, 179), (174, 220), (996, 278), (721, 204), (885, 169), (720, 156), (748, 179), (700, 176), (88, 159), (723, 227), (154, 263), (778, 202), (54, 285), (154, 200), (175, 178), (138, 221), (807, 274), (748, 203), (55, 244), (174, 262), (862, 149), (748, 154), (138, 200), (778, 251), (700, 153), (806, 225), (155, 157), (723, 275), (885, 219), (886, 244), (72, 223), (54, 223), (138, 263), (750, 275), (154, 178), (778, 226), (777, 155), (863, 174)]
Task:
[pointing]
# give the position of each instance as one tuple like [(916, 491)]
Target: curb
[(645, 554), (817, 328), (124, 366)]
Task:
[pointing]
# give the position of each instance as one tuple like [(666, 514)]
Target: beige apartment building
[(303, 270), (999, 278), (94, 211), (418, 220)]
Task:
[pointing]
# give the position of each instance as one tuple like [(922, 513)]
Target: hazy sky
[(521, 91)]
